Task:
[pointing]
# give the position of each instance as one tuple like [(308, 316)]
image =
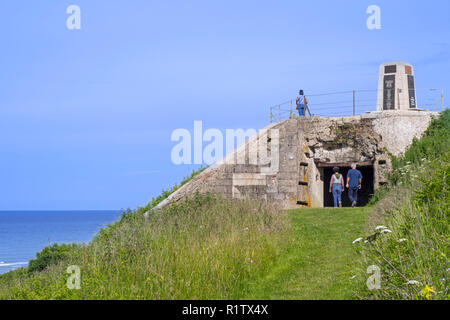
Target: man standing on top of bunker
[(354, 180), (301, 103)]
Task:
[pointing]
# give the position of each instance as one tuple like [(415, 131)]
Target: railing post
[(307, 108), (279, 113), (354, 107), (270, 114), (290, 115)]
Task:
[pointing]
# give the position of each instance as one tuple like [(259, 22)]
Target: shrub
[(50, 255)]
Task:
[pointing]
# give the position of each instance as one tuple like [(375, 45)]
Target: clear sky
[(86, 115)]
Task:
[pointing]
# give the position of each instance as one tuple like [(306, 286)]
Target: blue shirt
[(354, 176)]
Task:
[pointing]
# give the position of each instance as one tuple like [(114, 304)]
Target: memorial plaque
[(408, 69), (390, 69), (412, 92), (389, 92)]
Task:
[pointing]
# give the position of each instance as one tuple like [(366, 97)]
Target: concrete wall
[(398, 128), (289, 174)]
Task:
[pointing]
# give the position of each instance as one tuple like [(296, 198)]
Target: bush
[(49, 256)]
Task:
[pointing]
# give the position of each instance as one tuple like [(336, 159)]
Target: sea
[(25, 233)]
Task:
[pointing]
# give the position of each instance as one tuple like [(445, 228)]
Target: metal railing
[(352, 102), (277, 112)]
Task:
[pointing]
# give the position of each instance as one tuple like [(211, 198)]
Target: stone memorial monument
[(396, 89)]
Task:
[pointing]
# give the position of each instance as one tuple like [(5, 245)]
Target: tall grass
[(413, 257), (203, 248)]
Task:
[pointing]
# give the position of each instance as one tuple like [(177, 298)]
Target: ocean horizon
[(25, 233)]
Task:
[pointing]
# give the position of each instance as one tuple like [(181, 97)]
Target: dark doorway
[(364, 194)]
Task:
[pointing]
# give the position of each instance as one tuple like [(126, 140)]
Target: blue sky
[(86, 115)]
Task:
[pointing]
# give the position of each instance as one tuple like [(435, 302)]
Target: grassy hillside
[(412, 253), (210, 248), (204, 248)]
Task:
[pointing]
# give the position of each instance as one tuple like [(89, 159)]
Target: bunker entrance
[(364, 194)]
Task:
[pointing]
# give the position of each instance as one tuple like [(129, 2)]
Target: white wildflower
[(413, 282), (402, 240), (357, 240), (386, 231), (380, 228)]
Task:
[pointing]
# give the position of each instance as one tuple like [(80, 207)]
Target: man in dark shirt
[(354, 180)]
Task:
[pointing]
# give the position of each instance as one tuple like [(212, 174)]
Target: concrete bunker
[(306, 150), (295, 169)]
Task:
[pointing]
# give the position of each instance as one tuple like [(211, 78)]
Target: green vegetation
[(204, 248), (50, 255), (413, 253), (207, 248), (317, 262), (211, 248)]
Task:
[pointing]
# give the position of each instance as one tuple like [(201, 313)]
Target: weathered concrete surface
[(398, 128), (290, 174)]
